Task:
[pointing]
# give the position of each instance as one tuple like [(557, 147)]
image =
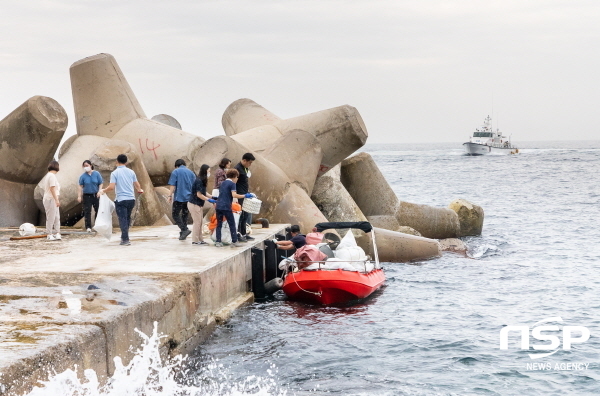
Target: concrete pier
[(78, 301)]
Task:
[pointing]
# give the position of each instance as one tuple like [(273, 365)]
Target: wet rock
[(470, 216), (453, 245)]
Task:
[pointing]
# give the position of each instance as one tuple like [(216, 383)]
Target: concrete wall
[(38, 336)]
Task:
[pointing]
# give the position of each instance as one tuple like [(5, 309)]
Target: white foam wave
[(147, 375)]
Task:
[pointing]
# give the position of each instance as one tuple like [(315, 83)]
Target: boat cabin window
[(482, 134)]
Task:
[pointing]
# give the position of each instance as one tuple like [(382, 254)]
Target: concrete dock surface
[(78, 301)]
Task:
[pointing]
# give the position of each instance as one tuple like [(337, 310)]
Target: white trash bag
[(27, 229), (103, 224), (347, 241), (225, 234)]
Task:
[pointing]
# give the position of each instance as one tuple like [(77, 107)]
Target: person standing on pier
[(123, 180), (197, 198), (180, 183), (90, 182), (227, 192), (243, 186), (51, 201), (220, 174)]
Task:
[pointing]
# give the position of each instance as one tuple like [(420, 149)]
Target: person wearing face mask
[(90, 182), (196, 202)]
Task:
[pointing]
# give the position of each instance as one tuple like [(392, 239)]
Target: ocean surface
[(434, 329)]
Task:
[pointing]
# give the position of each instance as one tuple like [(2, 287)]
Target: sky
[(417, 71)]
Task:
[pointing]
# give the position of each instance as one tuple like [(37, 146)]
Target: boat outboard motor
[(273, 285)]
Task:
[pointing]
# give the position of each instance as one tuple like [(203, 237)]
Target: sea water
[(435, 328)]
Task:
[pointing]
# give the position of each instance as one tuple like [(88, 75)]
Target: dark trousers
[(90, 201), (228, 214), (243, 218), (124, 209), (180, 214)]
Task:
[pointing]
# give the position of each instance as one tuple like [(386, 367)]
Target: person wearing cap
[(295, 242)]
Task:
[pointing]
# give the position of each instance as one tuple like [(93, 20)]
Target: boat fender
[(273, 285)]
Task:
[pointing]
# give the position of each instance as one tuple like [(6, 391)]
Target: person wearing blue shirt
[(227, 191), (122, 180), (90, 182), (180, 183)]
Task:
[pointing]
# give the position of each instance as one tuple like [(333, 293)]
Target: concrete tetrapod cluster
[(29, 137), (107, 110), (345, 187), (302, 172)]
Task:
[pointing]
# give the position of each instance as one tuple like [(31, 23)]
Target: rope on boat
[(306, 291)]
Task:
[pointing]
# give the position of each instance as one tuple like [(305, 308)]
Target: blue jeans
[(228, 214), (124, 209)]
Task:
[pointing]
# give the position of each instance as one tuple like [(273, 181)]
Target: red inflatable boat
[(335, 286)]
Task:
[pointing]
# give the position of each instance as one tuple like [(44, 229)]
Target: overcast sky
[(417, 71)]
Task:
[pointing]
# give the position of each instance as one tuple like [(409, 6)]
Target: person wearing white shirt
[(51, 201)]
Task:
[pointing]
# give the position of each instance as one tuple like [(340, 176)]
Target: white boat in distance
[(486, 141)]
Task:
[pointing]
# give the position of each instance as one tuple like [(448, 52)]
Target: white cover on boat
[(347, 241), (353, 253)]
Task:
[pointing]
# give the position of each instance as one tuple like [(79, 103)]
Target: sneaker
[(184, 234), (249, 238), (125, 243), (236, 244), (218, 244), (201, 243), (242, 238), (50, 238), (89, 230), (57, 237)]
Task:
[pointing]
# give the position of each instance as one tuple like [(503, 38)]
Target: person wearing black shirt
[(243, 187), (196, 202), (296, 241)]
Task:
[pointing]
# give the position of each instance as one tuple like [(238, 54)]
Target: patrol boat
[(486, 141)]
